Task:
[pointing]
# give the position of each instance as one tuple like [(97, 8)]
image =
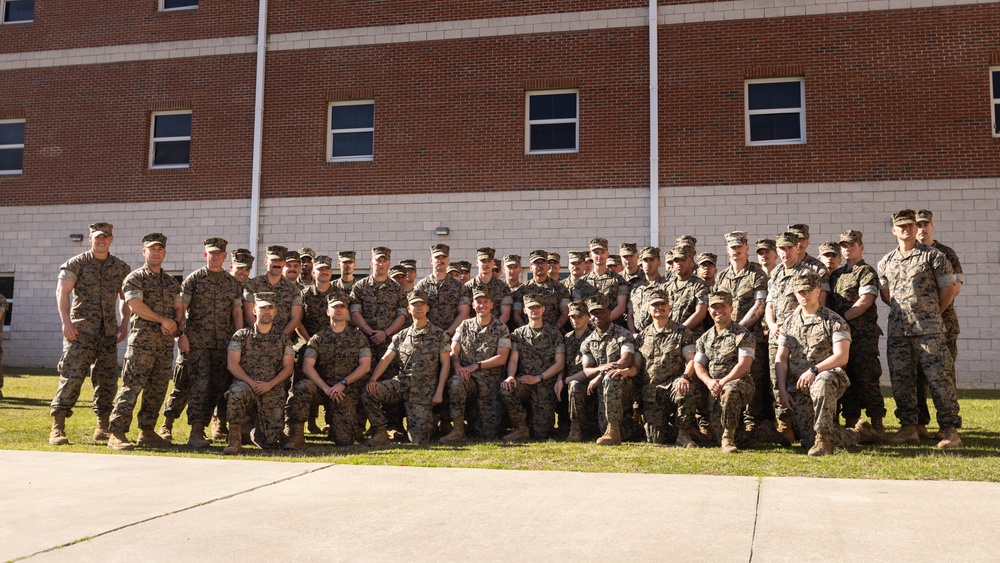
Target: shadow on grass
[(9, 402)]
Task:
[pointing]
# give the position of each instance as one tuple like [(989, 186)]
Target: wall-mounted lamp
[(76, 237), (442, 231)]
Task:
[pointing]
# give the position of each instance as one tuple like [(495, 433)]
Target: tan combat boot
[(380, 437), (457, 433), (922, 432), (612, 436), (197, 438), (907, 436), (879, 429), (314, 428), (729, 441), (296, 437), (784, 427), (150, 439), (235, 442), (57, 437), (102, 432), (951, 439), (166, 430), (519, 434), (219, 431), (764, 432), (867, 434), (575, 431), (118, 441), (822, 446), (684, 439)]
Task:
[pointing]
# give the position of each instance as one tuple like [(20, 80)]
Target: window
[(552, 122), (170, 146), (995, 79), (352, 131), (18, 11), (166, 5), (11, 146), (775, 111), (7, 290)]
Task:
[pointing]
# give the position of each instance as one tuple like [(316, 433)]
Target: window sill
[(552, 155), (359, 162)]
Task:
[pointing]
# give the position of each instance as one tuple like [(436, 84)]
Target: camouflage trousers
[(343, 414), (772, 355), (146, 372), (726, 410), (480, 395), (761, 408), (542, 399), (864, 370), (925, 415), (815, 412), (93, 356), (584, 407), (929, 351), (265, 410), (419, 416), (659, 402), (200, 381)]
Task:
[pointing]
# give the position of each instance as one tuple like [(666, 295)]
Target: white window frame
[(528, 122), (10, 303), (153, 140), (162, 9), (330, 132), (3, 12), (801, 110), (994, 77), (20, 146)]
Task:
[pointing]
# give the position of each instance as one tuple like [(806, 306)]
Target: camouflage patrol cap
[(512, 260), (904, 217), (496, 268), (852, 236), (614, 260), (346, 256), (598, 242), (786, 238), (596, 302), (154, 238), (102, 228), (628, 249), (538, 256), (717, 297), (464, 266), (216, 244), (588, 258), (736, 238), (706, 257), (578, 310), (397, 270), (242, 258), (324, 261), (409, 264), (417, 296), (382, 251), (532, 300), (800, 229), (293, 256), (805, 281), (766, 244), (658, 296), (485, 253), (687, 240), (276, 252), (829, 247), (480, 292), (440, 250), (553, 257), (453, 267), (575, 257), (305, 251), (265, 298), (925, 216), (337, 298), (649, 252), (674, 254), (684, 251)]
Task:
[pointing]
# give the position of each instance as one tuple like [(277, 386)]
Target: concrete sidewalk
[(133, 508)]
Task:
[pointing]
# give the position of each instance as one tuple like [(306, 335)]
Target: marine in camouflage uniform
[(315, 298), (663, 355), (487, 282), (308, 259), (812, 262), (154, 298), (650, 282), (577, 269), (423, 350), (336, 359), (914, 279), (720, 362), (91, 331), (449, 301), (550, 293), (688, 293), (573, 375), (602, 281), (261, 359), (378, 304), (850, 284), (538, 357), (288, 308), (473, 386), (346, 264), (629, 251)]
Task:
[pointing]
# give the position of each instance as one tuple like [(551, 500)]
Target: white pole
[(654, 129), (258, 133)]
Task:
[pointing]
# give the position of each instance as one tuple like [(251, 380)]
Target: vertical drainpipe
[(654, 129), (258, 132)]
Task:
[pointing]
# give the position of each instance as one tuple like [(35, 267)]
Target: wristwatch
[(343, 382), (814, 369)]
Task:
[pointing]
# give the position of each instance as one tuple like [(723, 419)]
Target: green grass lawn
[(25, 423)]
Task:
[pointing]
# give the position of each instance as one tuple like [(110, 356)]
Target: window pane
[(9, 314), (559, 136), (775, 127), (171, 152), (552, 106), (996, 84), (172, 4), (12, 133), (173, 125), (996, 118), (22, 11), (352, 144), (775, 95), (352, 117), (11, 159)]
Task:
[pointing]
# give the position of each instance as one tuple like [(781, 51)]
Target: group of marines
[(776, 351)]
